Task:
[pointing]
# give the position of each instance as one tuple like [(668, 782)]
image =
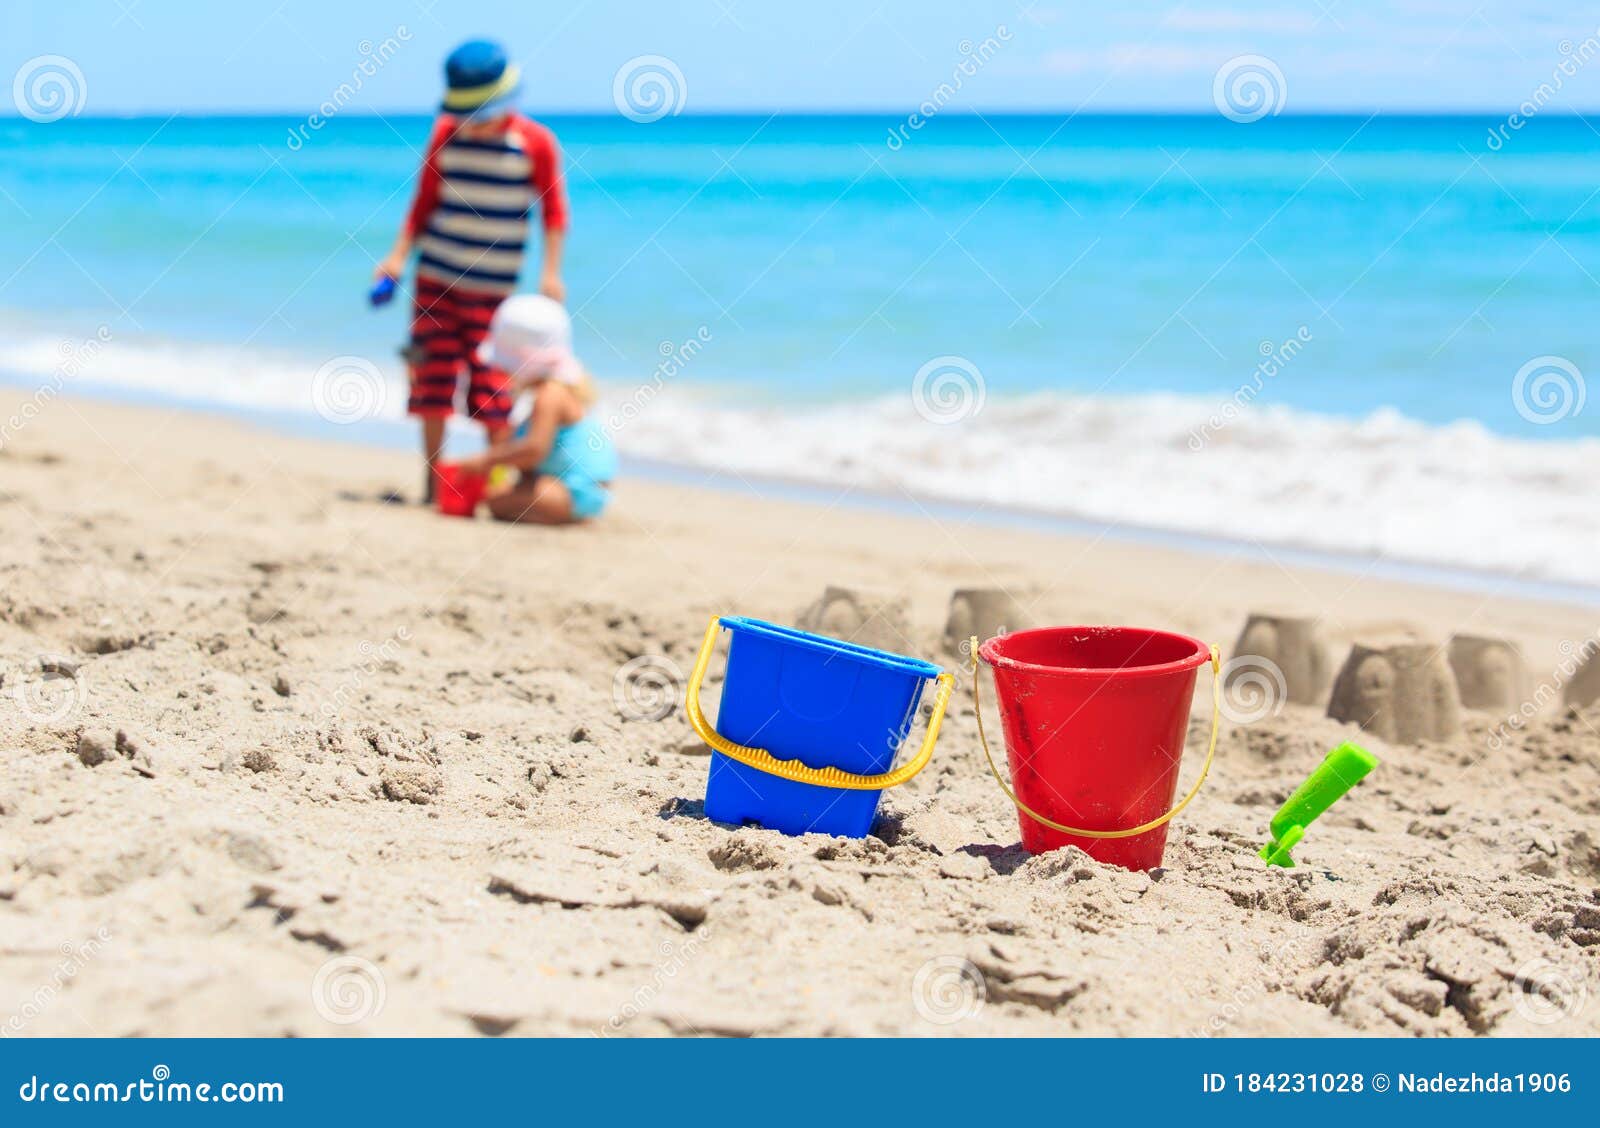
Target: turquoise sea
[(1327, 332)]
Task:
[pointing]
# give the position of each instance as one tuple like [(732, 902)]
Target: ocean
[(1362, 336)]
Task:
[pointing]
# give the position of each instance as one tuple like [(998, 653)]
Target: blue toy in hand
[(382, 291)]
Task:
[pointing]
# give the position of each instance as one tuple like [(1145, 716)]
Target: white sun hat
[(530, 337)]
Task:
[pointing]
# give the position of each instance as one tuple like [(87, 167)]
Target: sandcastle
[(1402, 691), (982, 612), (880, 621), (1294, 645), (1489, 672), (1583, 688)]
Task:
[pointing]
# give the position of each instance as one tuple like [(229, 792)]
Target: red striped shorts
[(447, 328)]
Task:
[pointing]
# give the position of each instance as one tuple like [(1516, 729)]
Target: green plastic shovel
[(1343, 768)]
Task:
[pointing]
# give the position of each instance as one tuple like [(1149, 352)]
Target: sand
[(281, 762)]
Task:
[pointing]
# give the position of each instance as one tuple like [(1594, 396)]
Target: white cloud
[(1162, 58), (1287, 23)]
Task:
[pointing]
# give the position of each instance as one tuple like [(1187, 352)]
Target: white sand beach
[(281, 762)]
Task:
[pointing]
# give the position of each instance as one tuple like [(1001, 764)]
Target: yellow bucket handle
[(796, 770), (1205, 768)]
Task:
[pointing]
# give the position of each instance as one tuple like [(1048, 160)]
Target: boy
[(485, 167)]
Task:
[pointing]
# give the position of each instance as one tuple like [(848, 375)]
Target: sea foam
[(1381, 485)]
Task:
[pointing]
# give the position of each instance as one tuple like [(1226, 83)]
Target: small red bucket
[(1095, 720), (457, 493)]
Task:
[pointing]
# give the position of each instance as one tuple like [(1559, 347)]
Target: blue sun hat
[(479, 80)]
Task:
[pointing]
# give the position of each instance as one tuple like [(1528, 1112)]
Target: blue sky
[(161, 55)]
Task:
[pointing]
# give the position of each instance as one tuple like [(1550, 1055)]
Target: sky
[(831, 55)]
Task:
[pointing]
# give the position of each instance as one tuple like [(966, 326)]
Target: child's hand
[(392, 266), (551, 286), (478, 465)]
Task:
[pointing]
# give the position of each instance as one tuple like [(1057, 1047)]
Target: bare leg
[(432, 447), (544, 501)]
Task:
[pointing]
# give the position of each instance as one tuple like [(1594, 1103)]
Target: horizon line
[(855, 112)]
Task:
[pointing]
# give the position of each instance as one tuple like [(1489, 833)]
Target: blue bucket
[(817, 703)]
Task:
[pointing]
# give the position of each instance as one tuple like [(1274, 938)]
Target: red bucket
[(1095, 720), (457, 493)]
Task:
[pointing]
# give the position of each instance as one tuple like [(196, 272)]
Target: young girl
[(566, 459)]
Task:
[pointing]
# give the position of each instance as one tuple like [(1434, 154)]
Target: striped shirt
[(470, 217)]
